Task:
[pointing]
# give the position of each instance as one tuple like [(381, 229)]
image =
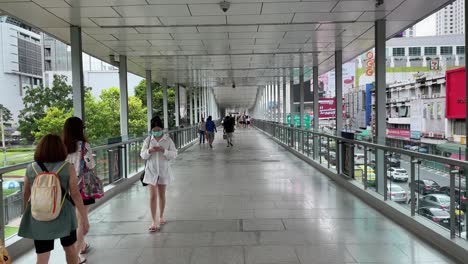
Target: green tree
[(52, 122), (7, 116), (102, 116), (157, 100), (38, 99), (136, 116)]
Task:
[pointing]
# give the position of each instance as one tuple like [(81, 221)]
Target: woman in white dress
[(158, 150)]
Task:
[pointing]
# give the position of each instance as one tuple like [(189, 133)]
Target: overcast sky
[(427, 27)]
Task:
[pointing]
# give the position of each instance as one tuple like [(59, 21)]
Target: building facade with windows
[(21, 63), (450, 20), (97, 74), (409, 56)]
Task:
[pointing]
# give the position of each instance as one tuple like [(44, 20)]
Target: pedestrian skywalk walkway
[(252, 203)]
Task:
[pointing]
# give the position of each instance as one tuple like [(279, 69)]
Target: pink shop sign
[(397, 132)]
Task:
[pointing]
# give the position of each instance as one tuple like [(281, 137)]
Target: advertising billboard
[(455, 104), (327, 108), (397, 132)]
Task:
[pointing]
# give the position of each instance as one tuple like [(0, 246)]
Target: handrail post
[(385, 180), (412, 185), (365, 169), (453, 171), (2, 213)]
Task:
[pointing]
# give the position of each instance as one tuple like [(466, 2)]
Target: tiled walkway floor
[(254, 203)]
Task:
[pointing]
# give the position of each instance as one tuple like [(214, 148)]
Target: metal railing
[(398, 175), (114, 162)]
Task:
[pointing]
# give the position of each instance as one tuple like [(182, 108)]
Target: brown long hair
[(73, 131), (50, 149)]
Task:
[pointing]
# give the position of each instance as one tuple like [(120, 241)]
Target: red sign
[(397, 132), (455, 107), (327, 108)]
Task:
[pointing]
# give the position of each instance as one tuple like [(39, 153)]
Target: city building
[(406, 57), (97, 74), (21, 63), (410, 32), (449, 20)]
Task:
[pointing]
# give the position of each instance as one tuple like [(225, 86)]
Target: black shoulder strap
[(43, 167)]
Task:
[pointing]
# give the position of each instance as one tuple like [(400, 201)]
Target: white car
[(397, 174), (396, 193)]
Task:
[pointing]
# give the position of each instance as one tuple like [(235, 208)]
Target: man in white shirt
[(202, 130)]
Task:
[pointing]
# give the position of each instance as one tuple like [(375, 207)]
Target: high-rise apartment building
[(20, 62), (450, 20)]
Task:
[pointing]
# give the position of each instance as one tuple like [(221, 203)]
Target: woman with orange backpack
[(48, 205)]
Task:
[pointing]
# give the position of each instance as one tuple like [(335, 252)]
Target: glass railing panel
[(113, 162)]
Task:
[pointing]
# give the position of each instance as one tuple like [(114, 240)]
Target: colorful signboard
[(455, 107), (397, 132), (434, 65)]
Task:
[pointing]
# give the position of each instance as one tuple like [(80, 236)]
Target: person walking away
[(202, 130), (158, 150), (211, 130), (79, 151), (229, 129), (49, 161)]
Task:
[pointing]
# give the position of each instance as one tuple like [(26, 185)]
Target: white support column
[(284, 96), (380, 92), (190, 101), (278, 103), (77, 72), (200, 102), (123, 95), (339, 90), (149, 99), (195, 105), (316, 146), (177, 106), (165, 108), (301, 93), (291, 96)]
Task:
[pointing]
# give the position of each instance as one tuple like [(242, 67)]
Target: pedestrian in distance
[(79, 151), (158, 150), (228, 124), (211, 130), (51, 182), (202, 130)]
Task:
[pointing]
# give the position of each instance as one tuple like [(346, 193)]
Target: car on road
[(441, 201), (397, 174), (460, 196), (396, 193), (392, 162), (332, 158), (425, 186), (439, 216), (323, 151), (359, 174)]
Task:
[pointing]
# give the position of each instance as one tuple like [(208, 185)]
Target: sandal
[(153, 229), (85, 250), (162, 221)]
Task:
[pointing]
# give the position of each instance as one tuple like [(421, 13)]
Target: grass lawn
[(8, 192), (20, 172), (16, 157), (10, 231)]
